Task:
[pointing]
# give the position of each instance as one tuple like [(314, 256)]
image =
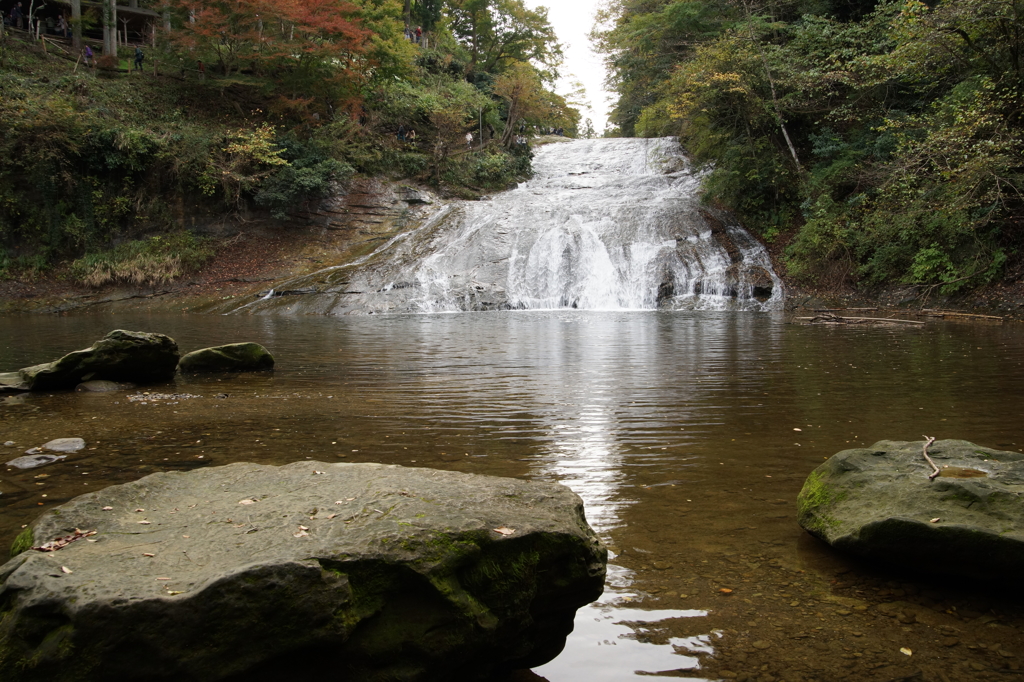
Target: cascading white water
[(609, 224), (605, 225)]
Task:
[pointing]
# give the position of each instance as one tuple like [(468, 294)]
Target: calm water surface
[(687, 434)]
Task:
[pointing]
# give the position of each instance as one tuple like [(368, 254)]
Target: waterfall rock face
[(610, 224)]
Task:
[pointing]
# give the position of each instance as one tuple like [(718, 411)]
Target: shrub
[(155, 260)]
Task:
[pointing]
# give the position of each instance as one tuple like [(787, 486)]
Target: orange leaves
[(265, 33)]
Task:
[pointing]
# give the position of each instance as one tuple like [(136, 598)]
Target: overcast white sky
[(573, 20)]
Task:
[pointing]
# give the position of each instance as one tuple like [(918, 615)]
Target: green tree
[(498, 33)]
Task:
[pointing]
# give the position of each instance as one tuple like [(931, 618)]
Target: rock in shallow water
[(234, 357), (34, 461), (351, 571), (64, 445), (879, 503), (140, 357)]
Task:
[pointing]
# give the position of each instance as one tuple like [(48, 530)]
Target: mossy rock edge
[(879, 503), (346, 571)]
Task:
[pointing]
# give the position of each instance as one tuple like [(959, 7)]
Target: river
[(687, 433)]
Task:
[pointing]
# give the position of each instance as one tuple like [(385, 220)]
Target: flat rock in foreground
[(346, 571), (879, 503)]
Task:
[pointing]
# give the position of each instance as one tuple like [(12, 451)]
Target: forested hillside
[(251, 108), (882, 139)]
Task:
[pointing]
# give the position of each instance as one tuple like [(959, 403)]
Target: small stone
[(65, 445), (977, 666), (761, 644), (9, 443), (843, 612), (727, 674), (950, 641), (33, 461), (662, 565)]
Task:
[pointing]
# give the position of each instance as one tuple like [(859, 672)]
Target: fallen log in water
[(836, 319)]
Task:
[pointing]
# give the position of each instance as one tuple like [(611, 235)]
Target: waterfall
[(608, 224)]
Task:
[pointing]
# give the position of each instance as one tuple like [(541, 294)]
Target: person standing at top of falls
[(469, 140), (401, 133), (139, 57), (419, 34), (16, 16)]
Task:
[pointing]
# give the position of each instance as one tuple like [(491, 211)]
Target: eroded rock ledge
[(351, 571)]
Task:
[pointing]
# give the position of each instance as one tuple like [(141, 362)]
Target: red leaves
[(282, 33)]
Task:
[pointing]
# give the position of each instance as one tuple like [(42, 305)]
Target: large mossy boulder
[(306, 571), (233, 357), (137, 357), (880, 504)]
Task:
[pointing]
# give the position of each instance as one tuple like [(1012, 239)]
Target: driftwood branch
[(929, 441), (830, 317)]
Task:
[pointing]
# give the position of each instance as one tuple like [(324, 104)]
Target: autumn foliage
[(306, 44)]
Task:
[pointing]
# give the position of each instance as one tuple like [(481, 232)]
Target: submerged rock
[(879, 503), (64, 445), (140, 357), (11, 382), (34, 461), (233, 357), (346, 571), (98, 386)]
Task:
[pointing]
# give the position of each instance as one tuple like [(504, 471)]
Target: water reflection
[(677, 429)]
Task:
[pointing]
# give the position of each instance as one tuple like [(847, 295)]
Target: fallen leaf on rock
[(300, 534), (725, 590), (64, 541), (798, 429), (147, 554), (935, 520), (339, 502), (163, 578), (140, 510), (331, 516), (504, 531), (906, 652), (303, 528), (144, 523), (317, 473), (247, 501), (65, 569), (108, 509), (174, 592)]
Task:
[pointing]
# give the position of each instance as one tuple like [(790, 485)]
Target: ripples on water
[(677, 429)]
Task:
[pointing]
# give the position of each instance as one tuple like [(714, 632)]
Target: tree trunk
[(76, 25), (407, 13), (109, 27)]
